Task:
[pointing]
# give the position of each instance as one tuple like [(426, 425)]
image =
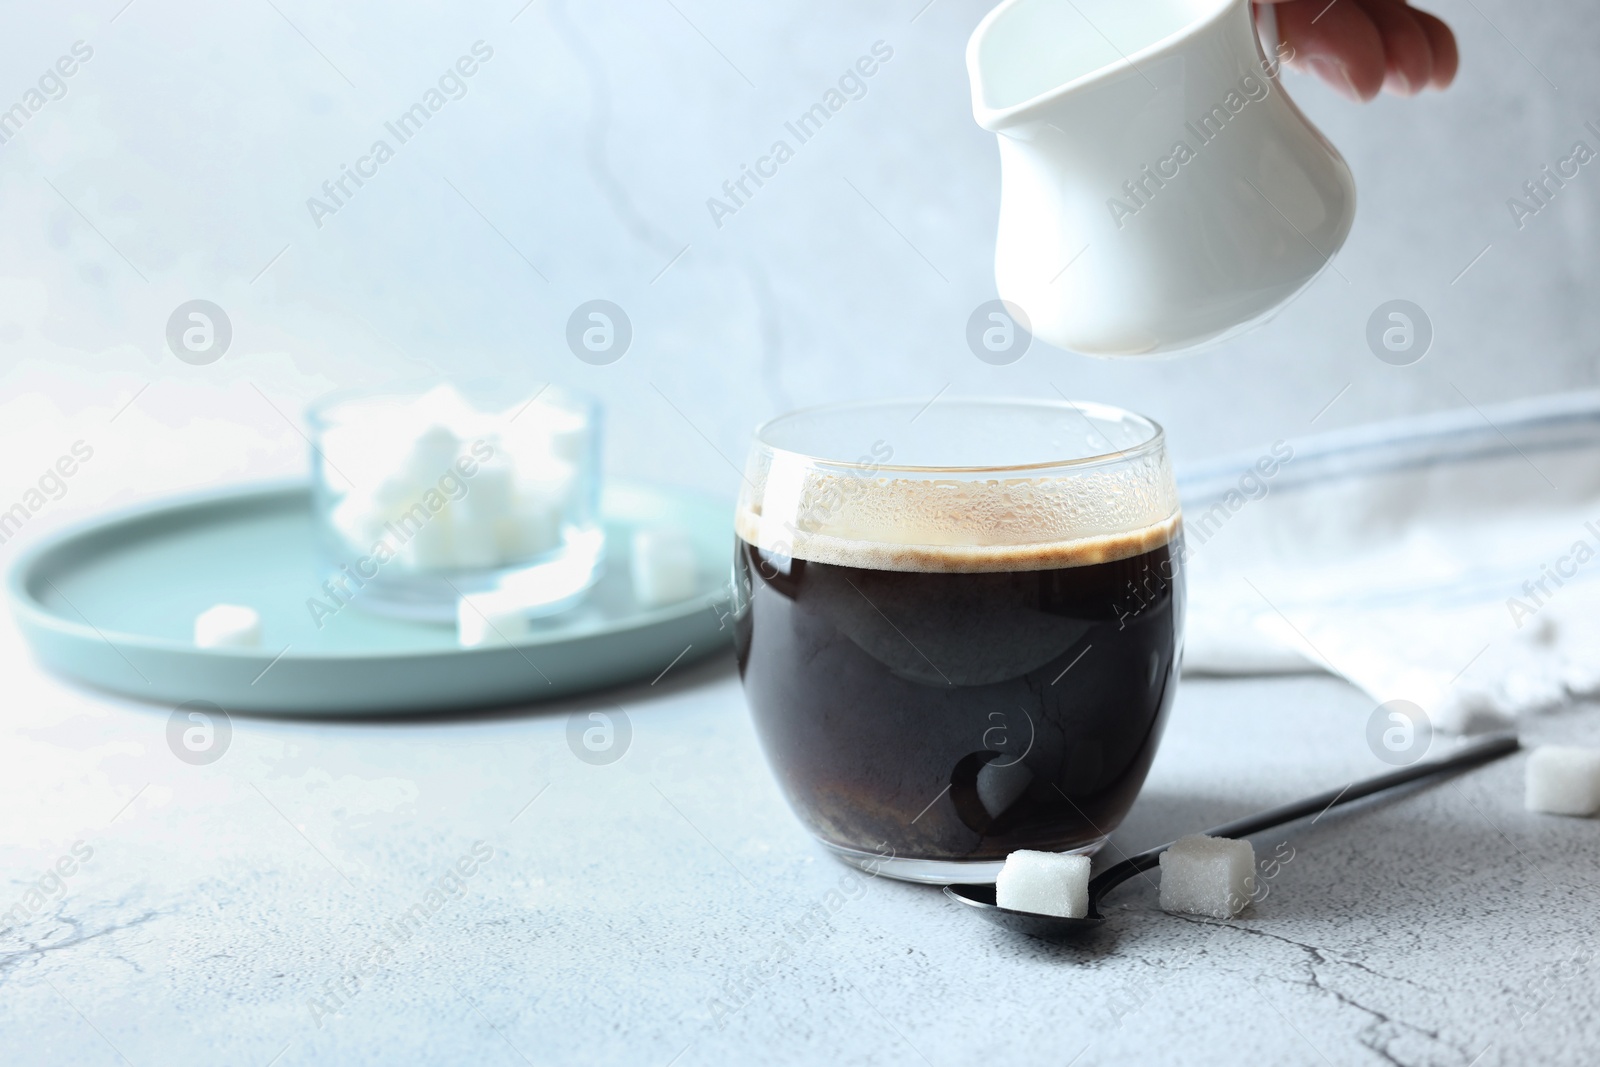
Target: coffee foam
[(954, 526)]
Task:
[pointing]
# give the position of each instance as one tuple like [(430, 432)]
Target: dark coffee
[(963, 706)]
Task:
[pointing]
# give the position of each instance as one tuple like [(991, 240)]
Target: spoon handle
[(1471, 755)]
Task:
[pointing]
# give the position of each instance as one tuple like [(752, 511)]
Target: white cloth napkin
[(1451, 560)]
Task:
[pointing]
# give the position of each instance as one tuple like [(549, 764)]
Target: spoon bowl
[(1054, 928), (1060, 928)]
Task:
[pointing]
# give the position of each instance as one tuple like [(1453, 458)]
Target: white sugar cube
[(422, 539), (473, 546), (432, 455), (533, 529), (493, 619), (1048, 883), (1207, 876), (1563, 780), (476, 519), (227, 626), (663, 566), (489, 495)]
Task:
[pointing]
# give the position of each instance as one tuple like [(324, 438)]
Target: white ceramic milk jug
[(1158, 188)]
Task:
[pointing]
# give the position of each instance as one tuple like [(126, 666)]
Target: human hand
[(1362, 46)]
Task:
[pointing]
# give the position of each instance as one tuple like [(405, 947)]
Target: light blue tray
[(112, 603)]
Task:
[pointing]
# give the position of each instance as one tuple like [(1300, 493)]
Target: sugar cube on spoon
[(1049, 883)]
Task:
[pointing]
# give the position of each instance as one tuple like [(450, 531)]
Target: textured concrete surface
[(667, 905), (666, 908)]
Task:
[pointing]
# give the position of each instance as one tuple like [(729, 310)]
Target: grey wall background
[(178, 164)]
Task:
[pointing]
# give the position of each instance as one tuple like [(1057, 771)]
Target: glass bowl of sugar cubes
[(427, 494)]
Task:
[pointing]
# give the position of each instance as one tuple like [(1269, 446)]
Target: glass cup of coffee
[(959, 624)]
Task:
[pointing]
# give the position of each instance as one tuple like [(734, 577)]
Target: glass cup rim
[(1154, 442)]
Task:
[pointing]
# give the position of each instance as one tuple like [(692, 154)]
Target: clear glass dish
[(426, 493)]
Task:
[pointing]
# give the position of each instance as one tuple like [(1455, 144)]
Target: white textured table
[(666, 908)]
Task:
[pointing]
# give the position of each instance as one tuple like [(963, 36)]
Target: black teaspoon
[(1057, 928)]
